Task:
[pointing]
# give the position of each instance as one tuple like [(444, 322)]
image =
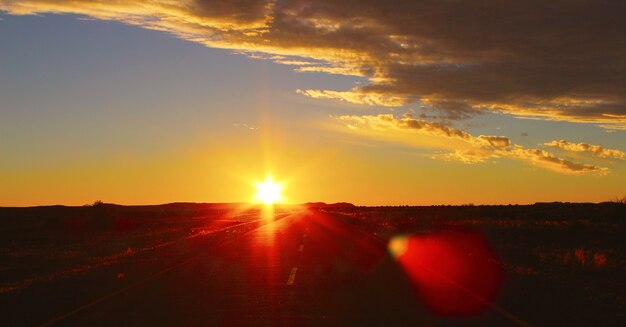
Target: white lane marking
[(292, 276), (301, 247)]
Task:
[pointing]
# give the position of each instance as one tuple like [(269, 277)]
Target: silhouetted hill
[(340, 205)]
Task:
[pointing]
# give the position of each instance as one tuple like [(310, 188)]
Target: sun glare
[(268, 191)]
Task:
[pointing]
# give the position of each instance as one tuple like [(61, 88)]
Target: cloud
[(385, 122), (477, 149), (372, 99), (595, 150), (495, 141), (245, 126), (553, 60), (465, 156), (550, 161), (602, 113)]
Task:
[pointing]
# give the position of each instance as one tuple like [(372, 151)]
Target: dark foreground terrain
[(548, 264)]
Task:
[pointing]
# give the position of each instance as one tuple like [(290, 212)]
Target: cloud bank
[(478, 149), (553, 60)]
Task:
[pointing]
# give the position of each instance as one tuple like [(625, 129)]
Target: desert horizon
[(617, 200)]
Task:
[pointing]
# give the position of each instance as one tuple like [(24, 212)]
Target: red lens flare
[(455, 273)]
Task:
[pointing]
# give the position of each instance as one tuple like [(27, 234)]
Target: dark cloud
[(232, 9), (554, 60), (560, 60), (496, 141)]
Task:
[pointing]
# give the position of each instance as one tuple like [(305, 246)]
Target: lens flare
[(455, 273)]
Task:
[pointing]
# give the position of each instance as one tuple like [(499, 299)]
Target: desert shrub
[(618, 199)]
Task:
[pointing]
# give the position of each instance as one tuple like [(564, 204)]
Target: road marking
[(301, 247), (292, 276)]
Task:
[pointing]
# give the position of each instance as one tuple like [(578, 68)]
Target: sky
[(369, 102)]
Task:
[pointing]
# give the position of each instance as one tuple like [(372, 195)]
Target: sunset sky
[(369, 102)]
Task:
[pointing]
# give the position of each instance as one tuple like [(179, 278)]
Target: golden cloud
[(371, 99), (469, 157), (478, 148), (385, 122), (595, 150), (550, 161)]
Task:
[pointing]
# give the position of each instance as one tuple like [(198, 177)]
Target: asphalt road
[(309, 268)]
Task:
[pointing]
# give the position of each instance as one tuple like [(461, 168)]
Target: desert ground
[(546, 264)]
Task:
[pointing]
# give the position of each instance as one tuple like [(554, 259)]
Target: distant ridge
[(326, 205), (231, 205), (184, 205)]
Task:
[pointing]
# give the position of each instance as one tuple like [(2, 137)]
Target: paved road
[(309, 268)]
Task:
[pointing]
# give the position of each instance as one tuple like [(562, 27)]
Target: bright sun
[(268, 191)]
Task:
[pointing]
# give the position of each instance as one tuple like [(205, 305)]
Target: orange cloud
[(595, 150), (469, 157), (477, 149), (386, 122), (372, 99), (550, 161)]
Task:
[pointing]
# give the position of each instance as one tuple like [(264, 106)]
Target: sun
[(268, 191)]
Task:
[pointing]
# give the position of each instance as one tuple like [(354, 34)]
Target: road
[(309, 268)]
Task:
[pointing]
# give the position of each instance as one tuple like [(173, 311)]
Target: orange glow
[(269, 192)]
